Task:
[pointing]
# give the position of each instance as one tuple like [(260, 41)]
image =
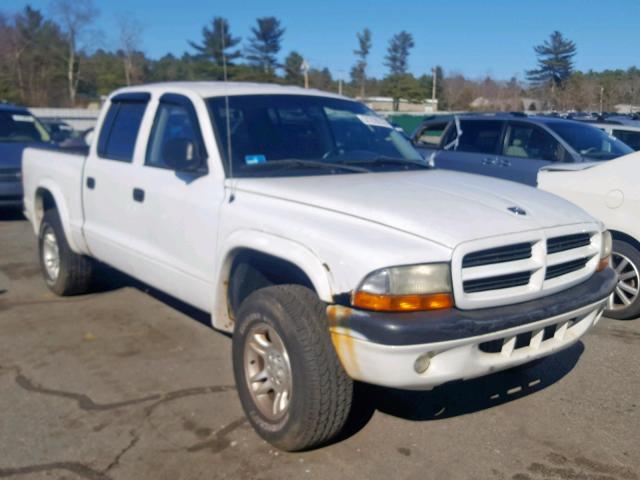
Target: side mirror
[(181, 154)]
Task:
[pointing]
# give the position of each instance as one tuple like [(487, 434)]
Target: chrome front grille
[(514, 268)]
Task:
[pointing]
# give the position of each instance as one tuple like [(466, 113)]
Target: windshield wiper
[(387, 160), (298, 162)]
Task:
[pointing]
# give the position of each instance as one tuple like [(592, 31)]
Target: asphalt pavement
[(126, 383)]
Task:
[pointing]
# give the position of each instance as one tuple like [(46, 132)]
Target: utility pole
[(601, 99), (340, 81), (433, 83), (305, 71)]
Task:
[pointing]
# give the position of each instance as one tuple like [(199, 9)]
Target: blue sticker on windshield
[(254, 159)]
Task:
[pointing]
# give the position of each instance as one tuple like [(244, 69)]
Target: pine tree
[(555, 61), (397, 58), (212, 48), (359, 70), (264, 45), (293, 68)]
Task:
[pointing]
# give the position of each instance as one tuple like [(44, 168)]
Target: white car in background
[(608, 191), (625, 133)]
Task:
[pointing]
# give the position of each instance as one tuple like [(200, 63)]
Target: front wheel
[(291, 385), (624, 302)]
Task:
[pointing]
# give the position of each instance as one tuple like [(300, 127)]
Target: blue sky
[(472, 37)]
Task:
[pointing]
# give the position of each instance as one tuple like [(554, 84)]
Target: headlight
[(408, 288), (605, 250)]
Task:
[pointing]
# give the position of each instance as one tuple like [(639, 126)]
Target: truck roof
[(219, 89)]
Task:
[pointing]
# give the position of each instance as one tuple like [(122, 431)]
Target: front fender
[(276, 246)]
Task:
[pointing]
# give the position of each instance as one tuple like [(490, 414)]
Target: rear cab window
[(121, 125)]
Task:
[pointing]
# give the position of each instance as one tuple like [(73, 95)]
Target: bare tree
[(74, 17), (130, 39)]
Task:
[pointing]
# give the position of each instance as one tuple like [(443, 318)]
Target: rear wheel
[(64, 271), (290, 382), (624, 302)]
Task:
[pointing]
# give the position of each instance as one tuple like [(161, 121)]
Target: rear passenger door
[(111, 215), (474, 149), (525, 150), (179, 201)]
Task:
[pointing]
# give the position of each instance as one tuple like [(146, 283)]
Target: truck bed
[(60, 172)]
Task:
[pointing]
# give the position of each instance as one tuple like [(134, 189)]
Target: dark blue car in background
[(19, 129)]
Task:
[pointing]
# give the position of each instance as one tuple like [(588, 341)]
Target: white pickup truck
[(317, 235)]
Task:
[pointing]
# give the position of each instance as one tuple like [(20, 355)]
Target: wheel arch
[(48, 196), (279, 259), (618, 235)]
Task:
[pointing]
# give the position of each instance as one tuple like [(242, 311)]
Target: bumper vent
[(532, 340), (568, 242), (510, 253), (497, 283)]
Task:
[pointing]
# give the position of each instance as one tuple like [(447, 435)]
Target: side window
[(530, 141), (432, 134), (630, 137), (120, 130), (480, 136), (175, 142)]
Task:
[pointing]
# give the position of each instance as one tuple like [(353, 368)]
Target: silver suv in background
[(510, 145)]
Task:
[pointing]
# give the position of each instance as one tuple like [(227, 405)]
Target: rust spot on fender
[(338, 319), (338, 316)]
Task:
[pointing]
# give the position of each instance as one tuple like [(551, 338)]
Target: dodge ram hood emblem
[(517, 210)]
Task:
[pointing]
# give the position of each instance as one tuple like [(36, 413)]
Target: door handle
[(91, 183), (138, 195), (505, 163), (489, 161)]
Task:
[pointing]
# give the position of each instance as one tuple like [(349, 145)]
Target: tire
[(321, 392), (73, 273), (626, 262)]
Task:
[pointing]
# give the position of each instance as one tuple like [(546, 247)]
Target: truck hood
[(443, 206)]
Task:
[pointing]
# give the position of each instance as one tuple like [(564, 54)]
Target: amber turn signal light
[(401, 303)]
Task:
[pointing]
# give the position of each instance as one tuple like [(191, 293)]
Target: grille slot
[(564, 268), (497, 283), (510, 253), (567, 242)]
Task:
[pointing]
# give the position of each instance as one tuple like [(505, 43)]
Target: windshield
[(17, 126), (275, 135), (590, 142)]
